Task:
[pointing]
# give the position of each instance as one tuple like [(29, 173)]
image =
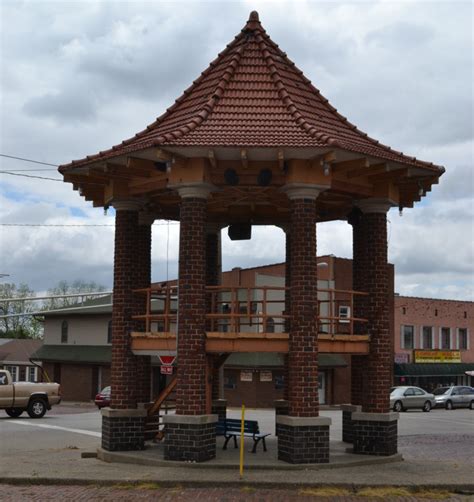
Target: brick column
[(143, 250), (213, 278), (375, 428), (123, 424), (287, 304), (190, 434), (303, 436)]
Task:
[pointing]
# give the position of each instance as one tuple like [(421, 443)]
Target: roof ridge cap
[(218, 92), (285, 95)]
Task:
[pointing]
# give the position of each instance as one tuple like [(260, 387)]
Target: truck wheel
[(36, 408), (14, 412)]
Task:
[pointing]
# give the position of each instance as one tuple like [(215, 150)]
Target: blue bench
[(230, 428)]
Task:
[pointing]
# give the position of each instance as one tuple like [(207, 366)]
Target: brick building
[(433, 343), (251, 142)]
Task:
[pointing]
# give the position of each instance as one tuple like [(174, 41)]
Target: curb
[(125, 458), (461, 489)]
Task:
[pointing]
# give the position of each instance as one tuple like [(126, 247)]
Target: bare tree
[(19, 326)]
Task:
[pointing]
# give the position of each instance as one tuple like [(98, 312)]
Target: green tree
[(18, 326)]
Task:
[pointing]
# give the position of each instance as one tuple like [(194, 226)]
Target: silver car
[(457, 396), (405, 398)]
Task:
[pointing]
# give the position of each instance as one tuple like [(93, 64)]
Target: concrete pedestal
[(347, 422), (303, 440), (375, 433), (190, 438), (123, 430)]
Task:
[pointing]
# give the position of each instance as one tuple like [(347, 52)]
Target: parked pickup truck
[(35, 398)]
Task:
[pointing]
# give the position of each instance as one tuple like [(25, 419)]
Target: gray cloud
[(97, 72)]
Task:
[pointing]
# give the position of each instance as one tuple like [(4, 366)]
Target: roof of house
[(18, 350), (74, 353), (253, 95)]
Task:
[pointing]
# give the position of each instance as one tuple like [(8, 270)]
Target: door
[(409, 398), (420, 398), (322, 387)]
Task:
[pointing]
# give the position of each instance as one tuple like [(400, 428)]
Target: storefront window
[(445, 338), (463, 341), (408, 338), (427, 337)]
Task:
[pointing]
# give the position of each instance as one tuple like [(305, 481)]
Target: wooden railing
[(249, 310)]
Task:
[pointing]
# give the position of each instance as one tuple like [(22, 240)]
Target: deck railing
[(249, 310)]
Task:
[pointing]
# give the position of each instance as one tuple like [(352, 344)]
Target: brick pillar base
[(303, 440), (375, 433), (281, 408), (347, 422), (219, 408), (190, 438), (123, 430)]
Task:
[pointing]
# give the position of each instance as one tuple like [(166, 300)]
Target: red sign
[(166, 370), (167, 360)]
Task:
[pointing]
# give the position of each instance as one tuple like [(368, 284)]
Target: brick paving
[(177, 494), (448, 447)]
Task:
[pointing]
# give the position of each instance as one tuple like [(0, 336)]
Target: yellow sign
[(437, 356)]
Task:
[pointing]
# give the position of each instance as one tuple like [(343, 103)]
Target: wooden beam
[(212, 158), (351, 188), (244, 159), (364, 171), (281, 160), (347, 165), (329, 157), (141, 167), (389, 176)]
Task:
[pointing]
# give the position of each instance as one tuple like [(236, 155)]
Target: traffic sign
[(167, 360), (166, 370)]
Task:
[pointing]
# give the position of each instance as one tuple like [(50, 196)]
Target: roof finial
[(254, 22)]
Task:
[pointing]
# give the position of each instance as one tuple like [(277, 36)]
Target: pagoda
[(250, 142)]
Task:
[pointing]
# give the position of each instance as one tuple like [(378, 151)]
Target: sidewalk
[(65, 466)]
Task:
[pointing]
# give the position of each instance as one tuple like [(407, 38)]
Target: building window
[(427, 338), (279, 382), (344, 313), (445, 338), (13, 372), (436, 312), (64, 330), (404, 310), (109, 332), (463, 339), (270, 325), (408, 337), (32, 373), (230, 382)]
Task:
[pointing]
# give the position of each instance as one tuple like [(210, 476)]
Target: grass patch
[(248, 489), (433, 494), (148, 486), (125, 486), (325, 491), (384, 492)]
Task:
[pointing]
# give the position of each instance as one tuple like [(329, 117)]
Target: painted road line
[(57, 427)]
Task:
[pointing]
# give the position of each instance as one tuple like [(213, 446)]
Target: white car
[(457, 396), (408, 397)]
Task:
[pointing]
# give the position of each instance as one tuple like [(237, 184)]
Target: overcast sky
[(78, 77)]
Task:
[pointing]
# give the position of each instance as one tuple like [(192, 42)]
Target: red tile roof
[(252, 95)]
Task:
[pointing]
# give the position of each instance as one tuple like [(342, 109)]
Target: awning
[(432, 369), (94, 354), (272, 360)]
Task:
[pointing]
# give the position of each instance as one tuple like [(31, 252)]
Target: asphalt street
[(79, 427)]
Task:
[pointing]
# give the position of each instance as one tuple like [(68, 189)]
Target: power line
[(72, 224), (28, 160), (29, 170), (36, 177)]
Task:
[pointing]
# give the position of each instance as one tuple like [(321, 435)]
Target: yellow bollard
[(242, 443)]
